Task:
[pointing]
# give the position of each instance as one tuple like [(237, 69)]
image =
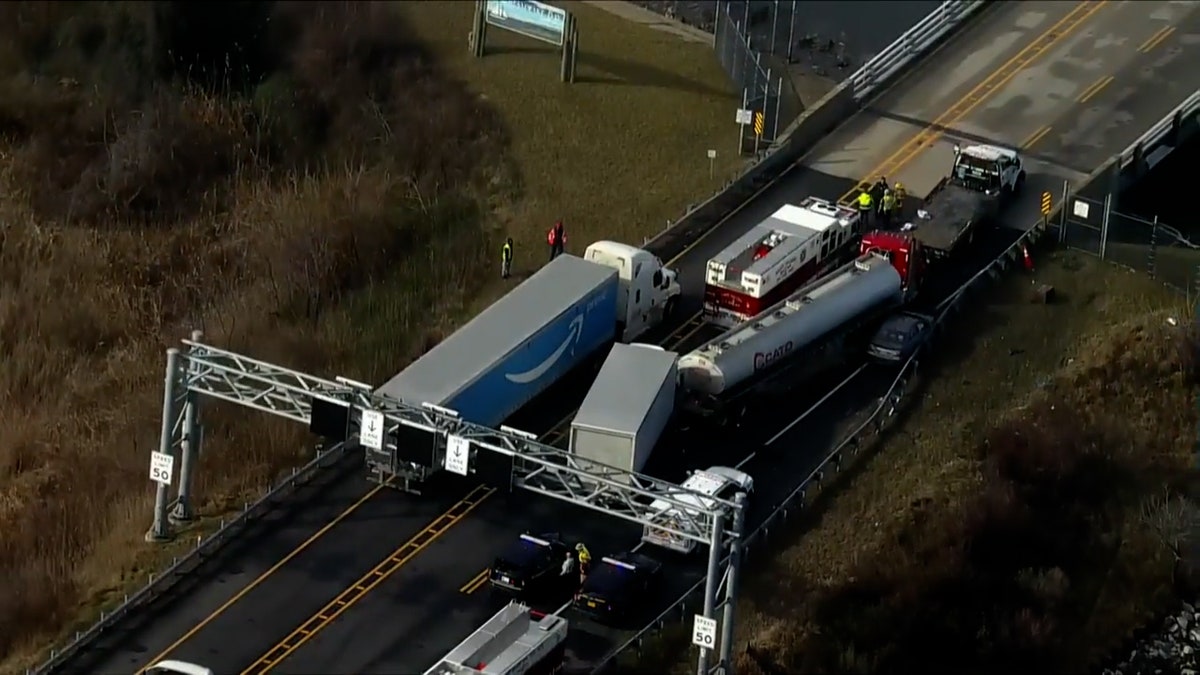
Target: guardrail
[(874, 424), (1166, 127), (182, 566), (696, 221), (813, 124)]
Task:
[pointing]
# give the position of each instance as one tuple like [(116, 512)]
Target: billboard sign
[(529, 18)]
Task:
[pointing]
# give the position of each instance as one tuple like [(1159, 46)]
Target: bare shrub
[(150, 186)]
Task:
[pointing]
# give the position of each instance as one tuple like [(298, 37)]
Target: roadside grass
[(617, 153), (1012, 521), (332, 201)]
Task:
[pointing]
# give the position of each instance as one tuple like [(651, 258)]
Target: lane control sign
[(162, 467), (458, 454), (704, 632), (371, 431)]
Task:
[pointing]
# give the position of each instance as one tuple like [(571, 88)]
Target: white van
[(722, 482)]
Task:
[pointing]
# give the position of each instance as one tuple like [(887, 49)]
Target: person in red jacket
[(557, 239)]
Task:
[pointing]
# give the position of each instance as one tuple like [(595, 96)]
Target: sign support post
[(715, 550), (190, 447), (533, 19), (160, 530)]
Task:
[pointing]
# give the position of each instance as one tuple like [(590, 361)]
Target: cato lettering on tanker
[(764, 359)]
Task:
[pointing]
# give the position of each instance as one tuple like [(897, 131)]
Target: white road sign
[(162, 468), (704, 632), (371, 431), (458, 454), (1080, 208), (745, 116)]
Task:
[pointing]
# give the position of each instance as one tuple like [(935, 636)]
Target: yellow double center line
[(475, 583), (347, 598), (980, 93)]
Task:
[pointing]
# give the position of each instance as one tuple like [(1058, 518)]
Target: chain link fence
[(767, 91), (1091, 225)]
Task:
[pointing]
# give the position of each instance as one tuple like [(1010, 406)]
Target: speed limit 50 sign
[(162, 467), (704, 632)]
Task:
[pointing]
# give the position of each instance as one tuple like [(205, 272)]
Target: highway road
[(366, 580)]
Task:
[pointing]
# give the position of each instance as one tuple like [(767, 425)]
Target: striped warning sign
[(759, 123), (1046, 201)]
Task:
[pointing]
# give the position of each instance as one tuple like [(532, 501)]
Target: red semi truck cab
[(906, 253)]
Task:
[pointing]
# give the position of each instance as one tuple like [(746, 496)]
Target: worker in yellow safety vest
[(506, 259), (866, 204), (585, 561), (901, 193), (887, 207)]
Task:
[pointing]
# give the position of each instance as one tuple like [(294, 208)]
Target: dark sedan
[(617, 586), (900, 337), (531, 564)]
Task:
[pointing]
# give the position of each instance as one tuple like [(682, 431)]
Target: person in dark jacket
[(557, 239)]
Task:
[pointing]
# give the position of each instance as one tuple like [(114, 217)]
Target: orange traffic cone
[(1028, 259)]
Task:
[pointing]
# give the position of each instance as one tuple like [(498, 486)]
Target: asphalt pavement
[(245, 602)]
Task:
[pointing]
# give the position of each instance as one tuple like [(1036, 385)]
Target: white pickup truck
[(721, 482)]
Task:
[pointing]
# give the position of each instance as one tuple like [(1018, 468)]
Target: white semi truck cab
[(649, 290)]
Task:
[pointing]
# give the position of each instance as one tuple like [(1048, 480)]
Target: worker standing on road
[(887, 207), (866, 204), (901, 193), (585, 561), (557, 238), (506, 259), (879, 187), (568, 565)]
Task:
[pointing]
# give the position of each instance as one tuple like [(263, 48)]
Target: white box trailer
[(627, 407)]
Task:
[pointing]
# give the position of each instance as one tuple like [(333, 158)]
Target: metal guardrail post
[(1104, 218)]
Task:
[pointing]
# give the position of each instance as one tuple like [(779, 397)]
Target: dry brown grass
[(296, 189), (999, 529)]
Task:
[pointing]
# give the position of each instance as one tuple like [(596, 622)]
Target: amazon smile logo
[(542, 368)]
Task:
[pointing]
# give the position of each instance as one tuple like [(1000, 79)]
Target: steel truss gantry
[(201, 369)]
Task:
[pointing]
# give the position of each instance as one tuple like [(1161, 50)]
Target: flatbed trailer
[(952, 213)]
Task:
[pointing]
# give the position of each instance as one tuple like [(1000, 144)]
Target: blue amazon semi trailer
[(520, 345)]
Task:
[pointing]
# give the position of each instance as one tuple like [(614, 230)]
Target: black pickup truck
[(983, 179)]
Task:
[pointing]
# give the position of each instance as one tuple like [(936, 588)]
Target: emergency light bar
[(535, 540), (619, 563)]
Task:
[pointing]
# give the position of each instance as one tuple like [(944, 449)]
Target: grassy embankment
[(1024, 516)]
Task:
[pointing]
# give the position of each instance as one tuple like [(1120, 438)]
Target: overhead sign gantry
[(201, 369), (353, 414)]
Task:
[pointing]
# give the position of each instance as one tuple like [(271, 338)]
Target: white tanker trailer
[(855, 294), (807, 331)]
